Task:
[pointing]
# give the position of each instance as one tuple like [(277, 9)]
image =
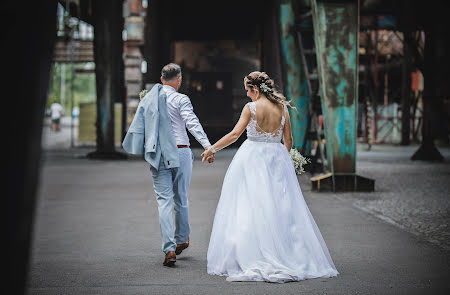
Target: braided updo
[(265, 86)]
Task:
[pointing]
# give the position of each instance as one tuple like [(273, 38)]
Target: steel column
[(296, 89), (336, 31)]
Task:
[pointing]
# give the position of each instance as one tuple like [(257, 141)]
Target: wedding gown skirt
[(263, 230)]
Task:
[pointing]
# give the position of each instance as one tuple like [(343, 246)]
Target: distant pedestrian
[(56, 112)]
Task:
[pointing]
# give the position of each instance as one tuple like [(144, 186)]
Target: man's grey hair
[(170, 72)]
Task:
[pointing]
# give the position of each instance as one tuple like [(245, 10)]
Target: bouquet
[(299, 161), (142, 94)]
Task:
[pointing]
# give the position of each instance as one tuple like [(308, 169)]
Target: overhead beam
[(82, 51)]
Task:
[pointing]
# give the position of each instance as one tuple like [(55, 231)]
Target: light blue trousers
[(171, 188)]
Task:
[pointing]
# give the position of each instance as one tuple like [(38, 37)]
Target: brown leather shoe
[(170, 259), (181, 247)]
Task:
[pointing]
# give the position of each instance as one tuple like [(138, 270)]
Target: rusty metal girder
[(336, 28)]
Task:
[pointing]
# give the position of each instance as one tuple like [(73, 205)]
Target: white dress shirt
[(182, 115)]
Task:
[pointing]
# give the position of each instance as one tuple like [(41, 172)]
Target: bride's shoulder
[(247, 109), (249, 106)]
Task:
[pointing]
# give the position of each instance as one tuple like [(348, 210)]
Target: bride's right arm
[(233, 135)]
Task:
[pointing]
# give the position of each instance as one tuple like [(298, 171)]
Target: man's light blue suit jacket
[(151, 131)]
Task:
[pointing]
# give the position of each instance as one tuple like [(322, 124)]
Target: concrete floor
[(97, 231)]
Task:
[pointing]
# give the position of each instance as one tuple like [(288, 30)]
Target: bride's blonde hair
[(266, 86)]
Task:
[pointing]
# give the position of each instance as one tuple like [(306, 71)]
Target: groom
[(159, 131)]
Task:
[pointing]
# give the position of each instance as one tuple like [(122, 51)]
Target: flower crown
[(265, 89)]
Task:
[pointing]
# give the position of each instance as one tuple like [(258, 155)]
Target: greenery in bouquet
[(299, 161)]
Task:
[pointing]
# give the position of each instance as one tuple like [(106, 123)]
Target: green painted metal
[(296, 89), (336, 29)]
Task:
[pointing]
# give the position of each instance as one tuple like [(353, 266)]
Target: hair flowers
[(264, 88)]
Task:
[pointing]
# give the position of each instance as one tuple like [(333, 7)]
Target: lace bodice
[(256, 133)]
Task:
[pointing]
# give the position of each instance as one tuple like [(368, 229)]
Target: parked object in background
[(87, 118)]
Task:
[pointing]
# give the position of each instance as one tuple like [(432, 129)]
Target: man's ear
[(162, 81)]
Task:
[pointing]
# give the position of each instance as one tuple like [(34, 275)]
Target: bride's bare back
[(268, 115)]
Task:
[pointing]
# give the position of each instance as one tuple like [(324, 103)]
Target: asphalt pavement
[(97, 231)]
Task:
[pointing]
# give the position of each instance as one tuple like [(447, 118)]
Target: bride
[(263, 230)]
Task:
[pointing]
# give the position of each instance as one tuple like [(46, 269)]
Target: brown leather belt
[(180, 146)]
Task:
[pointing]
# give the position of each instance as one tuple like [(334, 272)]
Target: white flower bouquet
[(299, 161), (143, 93)]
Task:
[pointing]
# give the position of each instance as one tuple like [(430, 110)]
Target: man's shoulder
[(177, 96)]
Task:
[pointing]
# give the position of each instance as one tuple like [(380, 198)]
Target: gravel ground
[(412, 195)]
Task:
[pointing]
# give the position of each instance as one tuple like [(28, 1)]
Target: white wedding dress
[(263, 230)]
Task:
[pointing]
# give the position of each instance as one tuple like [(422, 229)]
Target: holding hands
[(208, 154)]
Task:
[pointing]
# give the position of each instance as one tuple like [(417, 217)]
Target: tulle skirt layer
[(263, 229)]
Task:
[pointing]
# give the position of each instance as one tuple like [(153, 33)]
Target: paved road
[(97, 230), (60, 139)]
